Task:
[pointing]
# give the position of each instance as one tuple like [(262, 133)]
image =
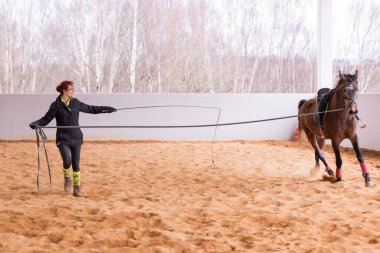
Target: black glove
[(109, 109), (32, 125)]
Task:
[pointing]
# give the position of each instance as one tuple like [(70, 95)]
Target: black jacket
[(69, 116)]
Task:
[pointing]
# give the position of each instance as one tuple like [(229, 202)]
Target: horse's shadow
[(322, 178), (331, 179)]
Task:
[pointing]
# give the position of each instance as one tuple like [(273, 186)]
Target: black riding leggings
[(70, 155)]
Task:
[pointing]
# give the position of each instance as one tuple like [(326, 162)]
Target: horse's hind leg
[(315, 170), (318, 152), (360, 157), (321, 143)]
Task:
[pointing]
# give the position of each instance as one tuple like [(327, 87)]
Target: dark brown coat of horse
[(337, 125)]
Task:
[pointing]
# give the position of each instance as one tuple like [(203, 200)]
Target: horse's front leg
[(338, 160), (360, 157)]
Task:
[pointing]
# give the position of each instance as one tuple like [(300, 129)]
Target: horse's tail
[(300, 104)]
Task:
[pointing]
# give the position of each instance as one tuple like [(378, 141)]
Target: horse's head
[(347, 87)]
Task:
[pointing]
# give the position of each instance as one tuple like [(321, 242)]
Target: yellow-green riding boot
[(77, 191), (67, 184)]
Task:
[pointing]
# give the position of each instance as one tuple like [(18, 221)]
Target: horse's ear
[(341, 76), (356, 74)]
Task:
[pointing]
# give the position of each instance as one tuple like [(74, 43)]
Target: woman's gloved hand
[(109, 109)]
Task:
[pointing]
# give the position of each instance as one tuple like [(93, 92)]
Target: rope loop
[(41, 138)]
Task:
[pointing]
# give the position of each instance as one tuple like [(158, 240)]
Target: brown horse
[(338, 123)]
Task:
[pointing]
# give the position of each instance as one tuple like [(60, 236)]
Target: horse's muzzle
[(352, 107)]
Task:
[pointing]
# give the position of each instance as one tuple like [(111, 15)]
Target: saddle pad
[(323, 99)]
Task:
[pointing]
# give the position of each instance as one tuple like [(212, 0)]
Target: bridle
[(348, 101)]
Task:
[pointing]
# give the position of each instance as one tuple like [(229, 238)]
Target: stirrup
[(362, 123)]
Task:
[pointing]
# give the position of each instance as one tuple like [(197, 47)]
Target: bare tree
[(134, 49), (176, 46), (358, 48), (7, 15), (20, 45)]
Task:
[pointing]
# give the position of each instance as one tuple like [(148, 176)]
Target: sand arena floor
[(167, 197)]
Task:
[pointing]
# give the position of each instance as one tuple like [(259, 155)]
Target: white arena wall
[(18, 110)]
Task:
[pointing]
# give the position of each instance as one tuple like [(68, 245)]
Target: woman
[(65, 109)]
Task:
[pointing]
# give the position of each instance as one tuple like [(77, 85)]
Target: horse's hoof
[(369, 183), (338, 179), (330, 172)]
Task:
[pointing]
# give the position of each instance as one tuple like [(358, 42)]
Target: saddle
[(323, 99)]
